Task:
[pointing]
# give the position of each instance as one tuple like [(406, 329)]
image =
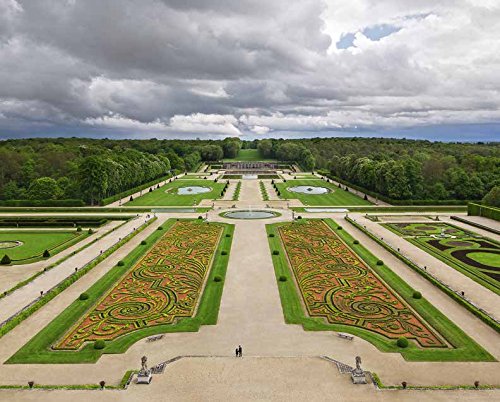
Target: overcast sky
[(250, 68)]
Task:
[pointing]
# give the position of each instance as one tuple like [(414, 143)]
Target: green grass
[(336, 197), (300, 176), (237, 190), (37, 350), (160, 197), (474, 273), (464, 348), (486, 258), (263, 191), (409, 208), (248, 155), (36, 242)]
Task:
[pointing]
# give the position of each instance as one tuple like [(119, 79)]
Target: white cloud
[(206, 123), (253, 66)]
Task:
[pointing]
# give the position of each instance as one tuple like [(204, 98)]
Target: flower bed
[(337, 285), (164, 285)]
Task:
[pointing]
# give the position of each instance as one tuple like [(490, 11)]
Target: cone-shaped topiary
[(5, 260), (84, 296), (46, 254)]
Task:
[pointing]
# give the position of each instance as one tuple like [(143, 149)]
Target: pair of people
[(239, 351)]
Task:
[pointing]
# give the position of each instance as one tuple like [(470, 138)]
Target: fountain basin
[(249, 214), (193, 190), (310, 190)]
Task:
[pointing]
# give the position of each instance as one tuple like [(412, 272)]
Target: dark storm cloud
[(234, 67)]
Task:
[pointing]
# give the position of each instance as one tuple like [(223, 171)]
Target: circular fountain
[(193, 190), (310, 190), (10, 244), (249, 214)]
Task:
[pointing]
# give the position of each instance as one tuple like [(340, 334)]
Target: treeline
[(399, 169), (67, 171)]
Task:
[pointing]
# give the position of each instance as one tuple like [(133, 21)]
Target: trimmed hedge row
[(42, 203), (474, 209), (34, 221), (391, 200), (474, 310), (64, 284), (126, 193)]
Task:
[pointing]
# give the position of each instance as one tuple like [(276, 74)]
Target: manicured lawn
[(461, 347), (486, 259), (34, 243), (248, 155), (474, 256), (168, 196), (336, 196), (38, 349)]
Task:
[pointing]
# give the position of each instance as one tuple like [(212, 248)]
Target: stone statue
[(144, 361), (144, 376), (358, 375)]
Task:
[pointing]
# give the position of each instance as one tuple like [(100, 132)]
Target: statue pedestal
[(358, 376), (144, 377)]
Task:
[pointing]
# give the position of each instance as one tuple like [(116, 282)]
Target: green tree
[(231, 147), (265, 148), (44, 188), (307, 160), (11, 191), (211, 153), (492, 199), (93, 179)]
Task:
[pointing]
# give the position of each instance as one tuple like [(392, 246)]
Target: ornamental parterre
[(337, 285), (164, 285)]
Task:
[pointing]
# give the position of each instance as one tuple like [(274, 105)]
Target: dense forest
[(93, 170), (397, 169)]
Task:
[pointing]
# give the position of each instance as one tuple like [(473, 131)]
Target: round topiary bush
[(402, 342), (417, 295), (79, 229), (282, 278), (228, 235), (276, 252), (120, 263), (217, 278), (200, 217), (299, 217), (380, 262), (271, 234), (355, 242), (84, 296), (90, 231), (160, 228), (99, 344), (223, 252), (339, 227)]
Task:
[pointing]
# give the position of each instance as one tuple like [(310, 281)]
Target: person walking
[(237, 351), (240, 351)]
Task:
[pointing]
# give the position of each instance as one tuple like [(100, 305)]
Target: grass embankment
[(34, 243), (38, 350), (463, 347), (167, 195), (249, 155), (336, 196)]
